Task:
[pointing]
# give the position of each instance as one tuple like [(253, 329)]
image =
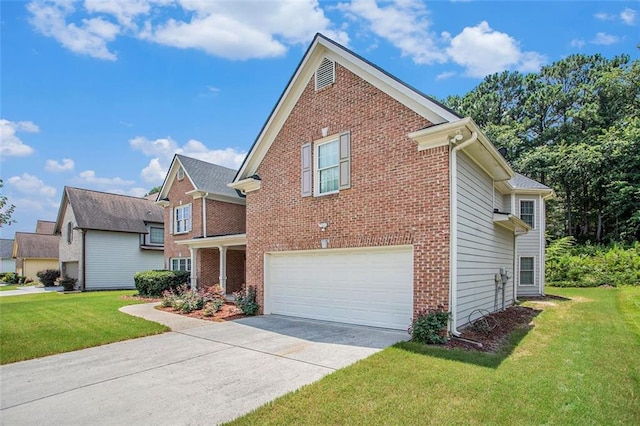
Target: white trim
[(190, 220), (511, 222), (246, 185), (340, 250), (542, 238), (213, 242), (533, 284)]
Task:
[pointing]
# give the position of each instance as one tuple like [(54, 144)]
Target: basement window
[(325, 74)]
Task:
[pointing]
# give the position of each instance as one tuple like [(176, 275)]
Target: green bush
[(155, 283), (67, 283), (9, 278), (245, 300), (430, 327), (569, 265), (48, 277)]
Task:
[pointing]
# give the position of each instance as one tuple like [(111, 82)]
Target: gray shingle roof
[(112, 212), (209, 177), (45, 227), (6, 247), (37, 246), (523, 182)]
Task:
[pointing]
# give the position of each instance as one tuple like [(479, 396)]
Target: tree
[(153, 190), (6, 211)]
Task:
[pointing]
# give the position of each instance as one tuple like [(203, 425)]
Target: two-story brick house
[(368, 202), (204, 223)]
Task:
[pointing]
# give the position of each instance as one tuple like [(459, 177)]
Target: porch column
[(194, 268), (223, 268)]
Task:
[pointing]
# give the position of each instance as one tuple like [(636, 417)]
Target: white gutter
[(453, 226)]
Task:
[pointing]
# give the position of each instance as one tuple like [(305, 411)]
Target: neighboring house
[(34, 252), (368, 202), (8, 263), (204, 223), (106, 238), (45, 227)]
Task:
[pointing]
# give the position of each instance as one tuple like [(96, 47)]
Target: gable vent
[(325, 74)]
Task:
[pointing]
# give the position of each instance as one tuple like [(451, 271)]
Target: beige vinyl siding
[(483, 247), (112, 259), (528, 245)]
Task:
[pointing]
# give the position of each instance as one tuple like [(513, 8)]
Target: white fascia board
[(511, 222), (212, 242), (246, 185)]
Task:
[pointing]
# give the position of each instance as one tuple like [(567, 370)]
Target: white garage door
[(357, 286)]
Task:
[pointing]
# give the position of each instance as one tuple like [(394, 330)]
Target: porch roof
[(217, 241)]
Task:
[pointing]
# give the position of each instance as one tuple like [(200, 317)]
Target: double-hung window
[(527, 212), (181, 264), (527, 271), (182, 219), (327, 167)]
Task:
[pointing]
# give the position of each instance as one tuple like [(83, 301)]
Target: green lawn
[(8, 287), (49, 323), (580, 364)]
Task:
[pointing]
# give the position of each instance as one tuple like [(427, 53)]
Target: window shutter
[(190, 223), (306, 170), (172, 213), (345, 160)]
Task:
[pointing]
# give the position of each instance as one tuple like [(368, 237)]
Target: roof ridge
[(105, 192), (206, 162)]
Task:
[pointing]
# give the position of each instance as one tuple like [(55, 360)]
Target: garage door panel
[(369, 287)]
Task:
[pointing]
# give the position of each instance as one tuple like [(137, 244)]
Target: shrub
[(48, 277), (245, 300), (186, 300), (67, 283), (212, 307), (155, 283), (10, 278), (430, 326)]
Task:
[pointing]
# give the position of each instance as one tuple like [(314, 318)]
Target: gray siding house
[(106, 238), (8, 263)]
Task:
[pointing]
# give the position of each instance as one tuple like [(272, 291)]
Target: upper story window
[(182, 219), (69, 232), (156, 235), (327, 167), (527, 212), (330, 170)]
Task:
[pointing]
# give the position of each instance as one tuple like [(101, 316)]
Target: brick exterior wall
[(222, 219), (398, 195)]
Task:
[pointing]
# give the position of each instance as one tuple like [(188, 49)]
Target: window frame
[(187, 222), (316, 165), (186, 260), (151, 242), (533, 213), (180, 173), (532, 271)]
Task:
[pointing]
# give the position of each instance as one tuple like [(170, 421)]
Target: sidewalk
[(24, 290)]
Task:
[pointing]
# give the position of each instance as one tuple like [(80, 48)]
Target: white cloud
[(162, 150), (125, 11), (628, 16), (445, 75), (604, 39), (578, 43), (89, 37), (10, 144), (234, 31), (29, 184), (54, 166), (482, 50), (404, 23), (89, 176), (604, 16)]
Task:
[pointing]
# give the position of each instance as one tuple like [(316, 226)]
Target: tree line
[(574, 126)]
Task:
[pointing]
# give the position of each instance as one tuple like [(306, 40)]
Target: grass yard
[(578, 365), (49, 323), (8, 287)]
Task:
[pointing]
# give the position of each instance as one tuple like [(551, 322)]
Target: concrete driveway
[(204, 374)]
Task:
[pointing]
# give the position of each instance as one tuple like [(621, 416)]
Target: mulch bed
[(493, 331), (228, 312)]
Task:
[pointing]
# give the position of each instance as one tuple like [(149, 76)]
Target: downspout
[(453, 226), (84, 259), (515, 252)]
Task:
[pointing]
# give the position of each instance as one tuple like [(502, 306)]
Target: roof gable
[(45, 227), (35, 246), (205, 177), (321, 48), (109, 212), (522, 182)]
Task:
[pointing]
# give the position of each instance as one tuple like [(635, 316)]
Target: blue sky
[(101, 94)]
